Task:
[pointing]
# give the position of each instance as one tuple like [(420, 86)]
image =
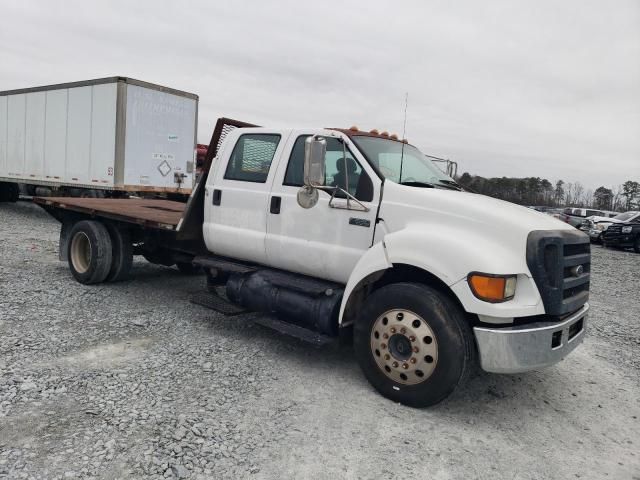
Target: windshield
[(414, 167)]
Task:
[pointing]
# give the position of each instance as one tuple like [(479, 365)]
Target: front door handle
[(275, 205), (217, 196)]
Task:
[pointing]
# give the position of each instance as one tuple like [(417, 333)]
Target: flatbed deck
[(161, 214)]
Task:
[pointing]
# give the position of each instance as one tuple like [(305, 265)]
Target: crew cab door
[(237, 194), (321, 241)]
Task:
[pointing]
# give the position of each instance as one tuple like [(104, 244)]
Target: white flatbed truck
[(335, 230)]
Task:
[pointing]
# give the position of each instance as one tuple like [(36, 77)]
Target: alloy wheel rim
[(81, 252), (404, 346)]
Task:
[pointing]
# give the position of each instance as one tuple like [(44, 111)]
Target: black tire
[(188, 268), (121, 255), (89, 252), (9, 192), (456, 353)]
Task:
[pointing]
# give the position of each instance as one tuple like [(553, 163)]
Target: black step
[(292, 330), (217, 303), (222, 264)]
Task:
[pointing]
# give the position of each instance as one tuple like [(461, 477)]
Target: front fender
[(451, 256), (374, 260)]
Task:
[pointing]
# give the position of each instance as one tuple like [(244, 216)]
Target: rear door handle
[(275, 205), (217, 196)]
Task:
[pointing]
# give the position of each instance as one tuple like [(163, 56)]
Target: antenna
[(404, 131)]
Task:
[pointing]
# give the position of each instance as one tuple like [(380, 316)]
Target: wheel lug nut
[(387, 356), (413, 360), (383, 345), (395, 364), (393, 329), (385, 336), (415, 349), (403, 330), (412, 338), (405, 366)]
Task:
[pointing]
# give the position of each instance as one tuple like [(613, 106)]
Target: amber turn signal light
[(492, 288)]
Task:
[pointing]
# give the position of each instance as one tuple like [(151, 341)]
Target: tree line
[(541, 192)]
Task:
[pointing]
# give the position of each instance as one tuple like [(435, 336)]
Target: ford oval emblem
[(577, 270)]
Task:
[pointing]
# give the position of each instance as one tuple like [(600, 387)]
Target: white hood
[(476, 211)]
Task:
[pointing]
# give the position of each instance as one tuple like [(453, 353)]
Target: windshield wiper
[(413, 183), (451, 182)]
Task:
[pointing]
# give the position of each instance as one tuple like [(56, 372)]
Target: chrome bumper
[(529, 347)]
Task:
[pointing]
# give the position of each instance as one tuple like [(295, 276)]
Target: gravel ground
[(130, 380)]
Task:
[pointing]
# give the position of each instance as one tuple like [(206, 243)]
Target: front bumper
[(595, 234), (530, 347), (618, 240)]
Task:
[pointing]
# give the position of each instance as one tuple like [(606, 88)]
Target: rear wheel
[(413, 344), (89, 252), (122, 254)]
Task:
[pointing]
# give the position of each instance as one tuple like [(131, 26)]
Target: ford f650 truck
[(326, 231)]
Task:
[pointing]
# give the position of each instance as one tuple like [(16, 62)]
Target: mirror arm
[(348, 206)]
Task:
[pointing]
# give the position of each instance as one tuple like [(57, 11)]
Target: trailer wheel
[(413, 344), (89, 252), (121, 255), (9, 192)]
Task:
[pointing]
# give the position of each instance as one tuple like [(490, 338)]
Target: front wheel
[(414, 344)]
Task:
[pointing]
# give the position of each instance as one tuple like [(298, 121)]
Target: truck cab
[(355, 234), (380, 220)]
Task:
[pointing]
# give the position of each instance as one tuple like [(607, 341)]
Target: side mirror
[(315, 151)]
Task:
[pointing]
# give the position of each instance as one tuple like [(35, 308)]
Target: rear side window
[(251, 157)]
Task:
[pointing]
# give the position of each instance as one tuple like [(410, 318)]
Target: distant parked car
[(623, 234), (599, 225), (588, 223), (575, 216)]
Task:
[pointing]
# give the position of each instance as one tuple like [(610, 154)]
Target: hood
[(475, 210), (605, 220), (451, 233)]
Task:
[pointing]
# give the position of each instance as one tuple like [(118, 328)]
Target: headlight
[(599, 227), (627, 229), (492, 288)]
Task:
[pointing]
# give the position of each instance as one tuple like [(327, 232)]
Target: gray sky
[(527, 88)]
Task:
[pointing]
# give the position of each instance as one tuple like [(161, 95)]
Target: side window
[(252, 157), (346, 175)]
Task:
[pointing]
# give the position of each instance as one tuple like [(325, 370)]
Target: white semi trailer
[(97, 138)]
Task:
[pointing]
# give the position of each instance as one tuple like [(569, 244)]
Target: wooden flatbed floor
[(164, 214)]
